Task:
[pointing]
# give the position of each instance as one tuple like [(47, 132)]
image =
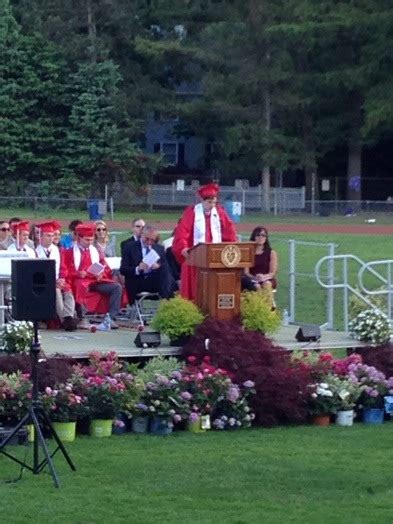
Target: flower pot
[(159, 426), (140, 424), (345, 418), (373, 416), (196, 427), (65, 430), (30, 432), (179, 341), (101, 428), (321, 420)]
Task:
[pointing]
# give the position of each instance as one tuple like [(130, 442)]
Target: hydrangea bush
[(16, 336), (370, 326)]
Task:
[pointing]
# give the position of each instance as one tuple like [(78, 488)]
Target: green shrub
[(159, 366), (257, 314), (177, 317), (356, 304)]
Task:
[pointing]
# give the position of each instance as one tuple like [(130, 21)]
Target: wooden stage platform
[(80, 343)]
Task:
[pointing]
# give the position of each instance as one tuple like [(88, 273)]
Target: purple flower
[(118, 423), (141, 406), (233, 394), (176, 418), (176, 375), (162, 381), (193, 417), (186, 395), (248, 384), (218, 424)]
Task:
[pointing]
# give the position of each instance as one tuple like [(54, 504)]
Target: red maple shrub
[(249, 355), (54, 370), (380, 357)]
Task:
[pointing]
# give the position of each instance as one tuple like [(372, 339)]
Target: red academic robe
[(80, 286), (184, 238)]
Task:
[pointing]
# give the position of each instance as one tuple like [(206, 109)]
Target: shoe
[(68, 324), (114, 325), (84, 324)]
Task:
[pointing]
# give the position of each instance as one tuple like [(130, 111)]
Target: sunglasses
[(139, 225), (101, 229), (5, 229)]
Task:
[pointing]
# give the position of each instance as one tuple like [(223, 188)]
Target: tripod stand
[(37, 416)]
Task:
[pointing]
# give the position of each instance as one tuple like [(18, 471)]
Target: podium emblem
[(231, 256)]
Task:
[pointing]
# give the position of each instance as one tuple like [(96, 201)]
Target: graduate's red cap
[(209, 190), (20, 226), (46, 227), (85, 230)]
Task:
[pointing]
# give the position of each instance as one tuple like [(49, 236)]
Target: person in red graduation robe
[(75, 264), (201, 223)]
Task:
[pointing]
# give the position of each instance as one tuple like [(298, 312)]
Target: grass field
[(162, 215), (294, 474)]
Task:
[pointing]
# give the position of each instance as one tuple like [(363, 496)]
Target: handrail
[(345, 285), (388, 282)]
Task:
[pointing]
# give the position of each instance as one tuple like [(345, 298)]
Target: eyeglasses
[(101, 229), (261, 235), (5, 229)]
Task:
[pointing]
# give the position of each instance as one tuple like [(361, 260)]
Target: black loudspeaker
[(33, 284), (150, 339), (308, 333)]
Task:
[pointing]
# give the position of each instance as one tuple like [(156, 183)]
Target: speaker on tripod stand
[(33, 284)]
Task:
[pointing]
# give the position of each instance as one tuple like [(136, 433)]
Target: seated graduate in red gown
[(85, 269), (201, 223)]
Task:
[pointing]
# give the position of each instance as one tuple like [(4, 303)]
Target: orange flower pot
[(321, 420)]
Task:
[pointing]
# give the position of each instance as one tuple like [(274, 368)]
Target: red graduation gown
[(184, 238)]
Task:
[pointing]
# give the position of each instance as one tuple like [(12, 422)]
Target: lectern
[(219, 272)]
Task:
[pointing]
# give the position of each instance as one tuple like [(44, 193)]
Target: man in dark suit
[(141, 276), (137, 229)]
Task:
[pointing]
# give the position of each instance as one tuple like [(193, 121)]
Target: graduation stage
[(78, 344)]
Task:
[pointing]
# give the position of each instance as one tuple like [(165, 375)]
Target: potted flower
[(212, 395), (64, 405), (16, 336), (371, 325), (322, 402), (375, 387), (15, 397), (177, 318), (346, 392), (163, 401)]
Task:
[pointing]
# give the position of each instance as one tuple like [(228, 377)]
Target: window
[(169, 151)]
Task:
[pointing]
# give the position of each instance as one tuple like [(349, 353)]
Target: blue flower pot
[(140, 424), (373, 416), (158, 426)]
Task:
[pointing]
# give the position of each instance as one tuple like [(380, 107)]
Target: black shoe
[(70, 324)]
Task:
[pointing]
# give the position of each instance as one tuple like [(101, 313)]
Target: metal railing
[(347, 287)]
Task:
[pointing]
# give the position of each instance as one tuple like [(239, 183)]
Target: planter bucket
[(140, 424), (344, 418), (101, 428), (65, 430), (373, 416), (30, 432), (196, 427), (321, 420), (179, 341), (159, 426)]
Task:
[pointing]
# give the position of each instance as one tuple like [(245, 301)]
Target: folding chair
[(146, 305)]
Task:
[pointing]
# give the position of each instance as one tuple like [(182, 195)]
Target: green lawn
[(295, 474), (252, 217)]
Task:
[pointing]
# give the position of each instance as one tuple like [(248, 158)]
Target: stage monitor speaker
[(33, 285), (150, 339), (308, 333)]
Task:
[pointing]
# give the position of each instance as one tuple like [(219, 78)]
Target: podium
[(219, 271)]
